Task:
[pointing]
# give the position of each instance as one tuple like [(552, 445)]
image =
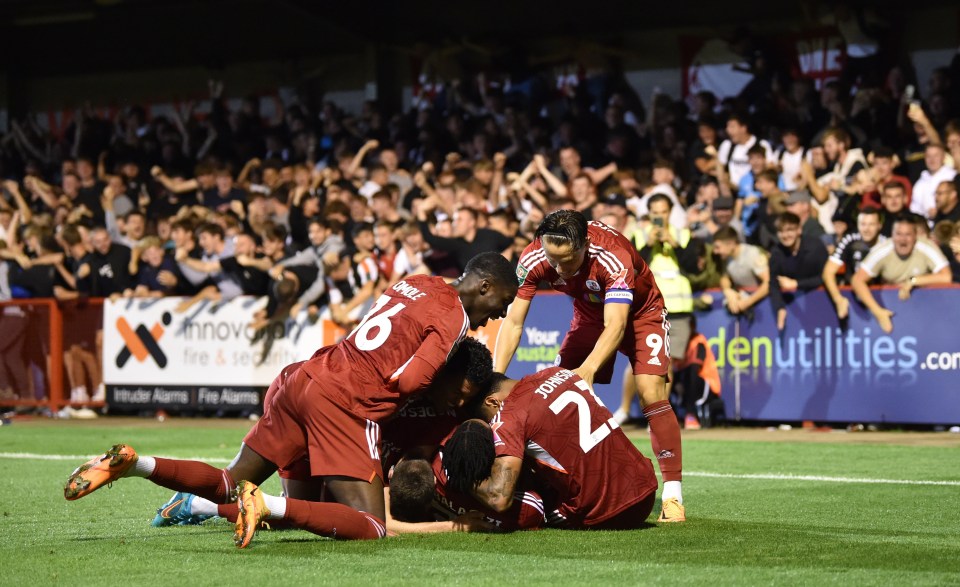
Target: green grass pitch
[(765, 521)]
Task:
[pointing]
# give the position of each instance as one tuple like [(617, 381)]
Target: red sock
[(665, 438), (333, 520), (231, 511), (194, 477)]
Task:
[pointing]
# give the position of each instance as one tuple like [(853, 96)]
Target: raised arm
[(552, 180)]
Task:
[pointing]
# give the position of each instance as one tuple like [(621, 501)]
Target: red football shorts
[(645, 342), (300, 422)]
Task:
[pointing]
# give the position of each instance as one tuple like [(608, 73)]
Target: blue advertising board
[(817, 368)]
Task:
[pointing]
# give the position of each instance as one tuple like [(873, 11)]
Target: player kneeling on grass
[(578, 450), (416, 432), (329, 409)]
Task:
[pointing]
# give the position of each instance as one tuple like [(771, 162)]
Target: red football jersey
[(612, 272), (395, 351), (526, 512), (554, 418), (416, 424)]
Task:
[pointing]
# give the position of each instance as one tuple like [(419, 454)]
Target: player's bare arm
[(497, 490), (614, 323), (508, 339)]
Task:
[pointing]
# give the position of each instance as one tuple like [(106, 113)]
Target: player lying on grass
[(415, 498), (552, 417), (328, 409)]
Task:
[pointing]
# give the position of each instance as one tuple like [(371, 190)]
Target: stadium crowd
[(785, 187)]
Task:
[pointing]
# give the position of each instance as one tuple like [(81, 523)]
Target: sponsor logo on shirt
[(591, 284), (559, 281), (521, 273)]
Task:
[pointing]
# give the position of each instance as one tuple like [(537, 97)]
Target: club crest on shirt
[(591, 284), (521, 273)]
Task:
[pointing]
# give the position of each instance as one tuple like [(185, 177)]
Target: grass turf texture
[(739, 531)]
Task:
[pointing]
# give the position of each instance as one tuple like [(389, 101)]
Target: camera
[(658, 222)]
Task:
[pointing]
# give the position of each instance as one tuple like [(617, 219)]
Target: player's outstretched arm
[(614, 323), (508, 339), (497, 490)]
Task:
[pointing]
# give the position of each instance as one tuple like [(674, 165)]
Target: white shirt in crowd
[(790, 166), (735, 157), (924, 191)]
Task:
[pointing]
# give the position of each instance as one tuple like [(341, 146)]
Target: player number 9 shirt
[(613, 272)]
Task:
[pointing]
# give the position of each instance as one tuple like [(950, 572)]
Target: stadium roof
[(49, 37)]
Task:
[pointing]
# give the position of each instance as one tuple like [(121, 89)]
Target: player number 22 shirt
[(553, 418)]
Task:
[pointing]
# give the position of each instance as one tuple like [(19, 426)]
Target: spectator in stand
[(733, 151), (836, 189), (746, 271), (894, 207), (849, 253), (409, 259), (796, 264), (322, 243), (799, 203), (904, 260), (468, 240), (224, 195), (924, 200), (207, 273), (106, 270), (883, 161), (772, 203), (951, 249), (948, 208), (790, 159), (147, 262), (665, 249), (748, 202)]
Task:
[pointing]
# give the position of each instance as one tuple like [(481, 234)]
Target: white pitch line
[(760, 476), (788, 477)]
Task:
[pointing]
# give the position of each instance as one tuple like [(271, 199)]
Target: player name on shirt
[(552, 383), (405, 289)]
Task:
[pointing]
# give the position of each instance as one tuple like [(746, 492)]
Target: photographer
[(666, 250)]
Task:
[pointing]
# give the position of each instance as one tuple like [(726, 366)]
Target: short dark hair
[(788, 218), (473, 359), (412, 488), (894, 185), (757, 149), (870, 211), (565, 225), (727, 233), (274, 232), (660, 198), (492, 267), (361, 227), (468, 456), (883, 152), (212, 229)]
